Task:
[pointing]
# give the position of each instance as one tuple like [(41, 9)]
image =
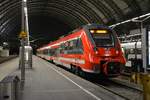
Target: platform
[(49, 82), (4, 59), (8, 67)]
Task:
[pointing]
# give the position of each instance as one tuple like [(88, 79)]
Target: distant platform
[(3, 59), (8, 67)]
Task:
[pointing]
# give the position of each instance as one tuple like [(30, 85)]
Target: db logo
[(107, 51)]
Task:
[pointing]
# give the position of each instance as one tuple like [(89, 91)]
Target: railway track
[(124, 91)]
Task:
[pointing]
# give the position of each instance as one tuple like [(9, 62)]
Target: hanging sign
[(22, 34)]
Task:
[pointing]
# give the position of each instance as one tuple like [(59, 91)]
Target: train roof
[(93, 25)]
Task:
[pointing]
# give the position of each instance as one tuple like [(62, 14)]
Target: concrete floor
[(4, 59), (49, 82), (8, 67)]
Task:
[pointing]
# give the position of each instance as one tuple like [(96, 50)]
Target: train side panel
[(81, 51)]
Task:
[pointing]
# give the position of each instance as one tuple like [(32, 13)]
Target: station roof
[(49, 19)]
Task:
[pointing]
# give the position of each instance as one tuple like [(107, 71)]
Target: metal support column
[(144, 47), (26, 22), (22, 58), (22, 63), (29, 49)]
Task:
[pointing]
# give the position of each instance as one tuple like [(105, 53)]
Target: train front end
[(106, 57)]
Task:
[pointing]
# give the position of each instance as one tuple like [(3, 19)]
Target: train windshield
[(103, 37)]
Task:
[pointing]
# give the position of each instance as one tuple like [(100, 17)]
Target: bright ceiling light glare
[(25, 10), (25, 0)]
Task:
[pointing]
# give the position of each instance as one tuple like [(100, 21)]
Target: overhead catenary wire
[(131, 20)]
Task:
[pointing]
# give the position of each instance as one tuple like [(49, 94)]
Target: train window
[(139, 51), (74, 43), (73, 47), (103, 38), (79, 43), (45, 51), (51, 52), (67, 45), (132, 51), (58, 51), (79, 46), (62, 46)]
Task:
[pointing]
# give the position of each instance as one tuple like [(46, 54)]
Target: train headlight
[(117, 52), (96, 52)]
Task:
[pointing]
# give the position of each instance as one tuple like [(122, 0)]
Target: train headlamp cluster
[(98, 31)]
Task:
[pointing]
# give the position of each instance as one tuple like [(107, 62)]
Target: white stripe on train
[(72, 60)]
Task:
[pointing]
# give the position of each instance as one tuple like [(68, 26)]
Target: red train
[(91, 48)]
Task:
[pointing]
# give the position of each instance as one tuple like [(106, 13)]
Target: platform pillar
[(22, 64)]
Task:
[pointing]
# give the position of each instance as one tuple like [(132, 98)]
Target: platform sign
[(22, 34)]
